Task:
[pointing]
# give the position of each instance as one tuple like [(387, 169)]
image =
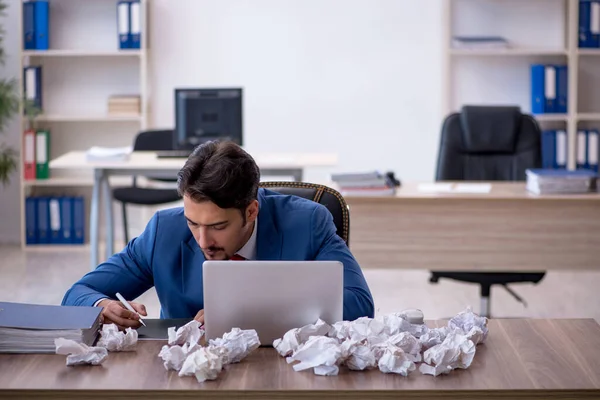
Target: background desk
[(552, 359), (506, 229), (147, 164)]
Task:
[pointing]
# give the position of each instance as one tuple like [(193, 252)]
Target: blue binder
[(581, 153), (124, 24), (32, 85), (31, 220), (28, 25), (43, 221), (562, 88), (538, 100), (554, 149), (42, 24), (55, 227), (135, 24), (589, 24), (593, 137), (78, 220), (66, 220)]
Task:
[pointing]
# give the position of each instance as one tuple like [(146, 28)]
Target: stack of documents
[(561, 181), (479, 42), (97, 153), (364, 184), (32, 328)]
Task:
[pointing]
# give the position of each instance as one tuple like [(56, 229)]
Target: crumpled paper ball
[(80, 353), (238, 343), (115, 340)]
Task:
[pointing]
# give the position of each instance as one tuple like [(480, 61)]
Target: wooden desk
[(551, 359), (148, 164), (506, 229)]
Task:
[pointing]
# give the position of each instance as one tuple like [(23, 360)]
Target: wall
[(358, 77)]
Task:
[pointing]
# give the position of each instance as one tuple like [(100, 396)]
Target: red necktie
[(237, 257)]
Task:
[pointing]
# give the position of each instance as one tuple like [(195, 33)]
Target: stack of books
[(365, 184), (561, 181), (32, 328), (124, 105)]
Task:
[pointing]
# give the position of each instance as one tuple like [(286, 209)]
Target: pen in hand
[(128, 306)]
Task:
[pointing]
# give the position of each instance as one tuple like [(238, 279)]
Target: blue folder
[(42, 24), (78, 220), (31, 220), (28, 25), (43, 221)]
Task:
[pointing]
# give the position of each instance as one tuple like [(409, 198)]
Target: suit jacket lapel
[(191, 263), (268, 239)]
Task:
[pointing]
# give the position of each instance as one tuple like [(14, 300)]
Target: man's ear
[(252, 211)]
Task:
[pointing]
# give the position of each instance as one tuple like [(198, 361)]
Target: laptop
[(270, 297)]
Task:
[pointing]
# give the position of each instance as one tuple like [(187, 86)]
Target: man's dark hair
[(221, 172)]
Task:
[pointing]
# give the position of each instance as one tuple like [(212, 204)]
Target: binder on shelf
[(78, 220), (581, 160), (31, 218), (32, 84), (562, 88), (28, 25), (42, 154), (554, 149), (550, 89), (538, 101), (55, 220), (589, 24), (43, 221), (66, 220), (29, 164), (42, 24), (592, 149), (124, 24), (135, 24)]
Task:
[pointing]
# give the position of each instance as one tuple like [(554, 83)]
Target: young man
[(224, 216)]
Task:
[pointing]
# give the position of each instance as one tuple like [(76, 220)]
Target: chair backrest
[(322, 194), (492, 143), (154, 140)]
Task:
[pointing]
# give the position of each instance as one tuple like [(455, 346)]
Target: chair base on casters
[(487, 279)]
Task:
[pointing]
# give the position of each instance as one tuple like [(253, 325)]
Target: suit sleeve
[(128, 272), (358, 301)]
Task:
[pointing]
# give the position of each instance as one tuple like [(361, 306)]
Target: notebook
[(157, 329), (32, 328)]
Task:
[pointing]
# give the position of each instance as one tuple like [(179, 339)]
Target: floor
[(44, 276)]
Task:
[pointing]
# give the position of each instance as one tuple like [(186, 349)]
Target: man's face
[(220, 232)]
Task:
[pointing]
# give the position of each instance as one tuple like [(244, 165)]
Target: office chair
[(322, 194), (488, 143), (153, 140)]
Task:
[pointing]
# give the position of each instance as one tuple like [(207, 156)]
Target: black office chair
[(487, 143), (154, 140), (322, 194)]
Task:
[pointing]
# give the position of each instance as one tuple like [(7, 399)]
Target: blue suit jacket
[(167, 257)]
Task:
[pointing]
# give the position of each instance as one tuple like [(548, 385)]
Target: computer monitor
[(207, 114)]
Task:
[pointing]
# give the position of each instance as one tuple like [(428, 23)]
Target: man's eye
[(219, 227)]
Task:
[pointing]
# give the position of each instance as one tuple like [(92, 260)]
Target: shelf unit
[(539, 31), (80, 70)]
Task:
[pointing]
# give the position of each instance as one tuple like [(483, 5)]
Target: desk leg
[(108, 210), (94, 218)]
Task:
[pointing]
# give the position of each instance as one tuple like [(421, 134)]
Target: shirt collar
[(248, 251)]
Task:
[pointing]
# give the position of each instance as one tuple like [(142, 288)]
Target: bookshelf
[(81, 69), (539, 31)]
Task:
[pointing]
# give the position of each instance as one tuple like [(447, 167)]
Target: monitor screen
[(207, 114)]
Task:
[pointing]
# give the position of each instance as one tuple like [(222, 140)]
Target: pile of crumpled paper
[(184, 354), (393, 343)]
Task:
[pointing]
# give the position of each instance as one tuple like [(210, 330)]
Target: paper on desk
[(394, 360), (115, 340), (398, 322), (433, 336), (321, 353), (357, 356), (174, 356), (79, 353), (467, 320), (454, 187), (435, 187), (238, 343), (97, 153), (295, 337), (472, 187), (204, 363), (456, 351), (189, 333)]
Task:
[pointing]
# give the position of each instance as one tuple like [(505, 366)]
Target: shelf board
[(88, 118), (588, 52), (81, 53), (551, 117), (588, 117), (57, 247), (74, 181), (509, 52)]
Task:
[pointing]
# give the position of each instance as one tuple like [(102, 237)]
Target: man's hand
[(200, 317), (115, 312)]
